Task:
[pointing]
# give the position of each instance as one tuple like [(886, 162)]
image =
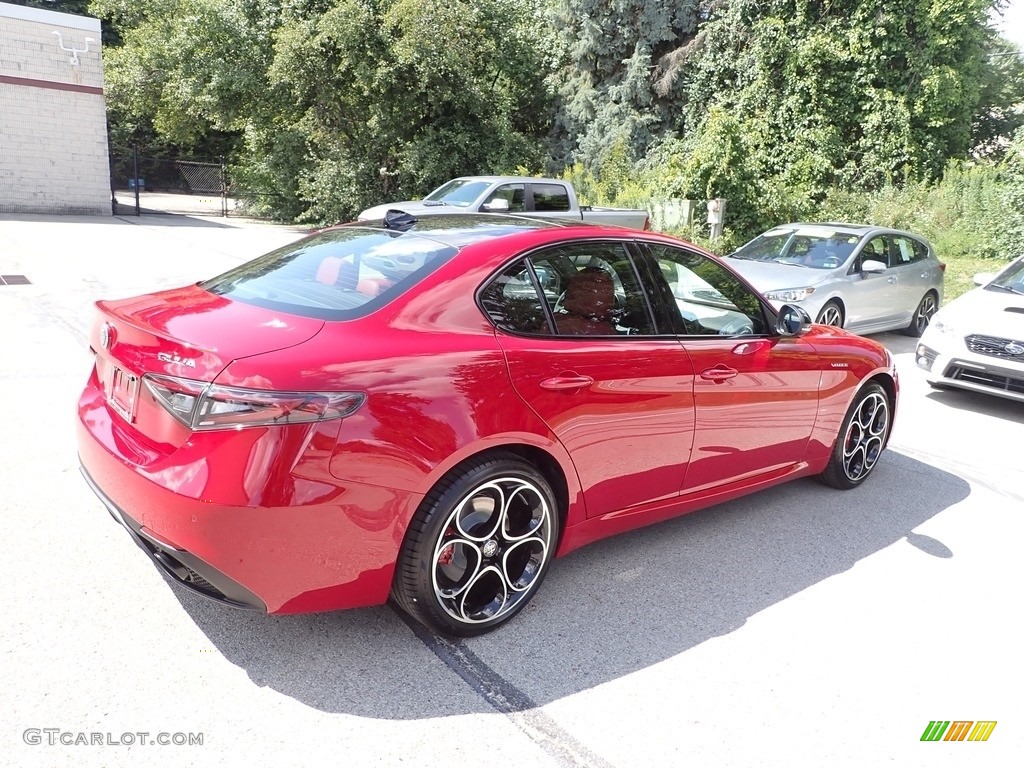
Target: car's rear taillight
[(199, 405), (942, 266), (647, 224)]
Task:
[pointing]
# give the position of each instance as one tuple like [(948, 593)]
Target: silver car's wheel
[(922, 316), (861, 439), (831, 314), (478, 548)]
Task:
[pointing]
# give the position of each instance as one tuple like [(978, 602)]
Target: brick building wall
[(53, 129)]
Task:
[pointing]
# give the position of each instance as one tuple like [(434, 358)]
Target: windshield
[(1011, 278), (460, 192), (816, 247), (340, 274)]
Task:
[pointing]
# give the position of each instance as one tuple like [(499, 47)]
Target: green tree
[(393, 98), (607, 52), (1001, 98), (785, 101), (849, 91), (327, 107)]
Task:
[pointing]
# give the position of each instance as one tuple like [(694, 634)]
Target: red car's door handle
[(718, 373), (751, 347), (566, 382)]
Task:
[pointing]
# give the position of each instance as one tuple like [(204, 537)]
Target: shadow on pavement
[(613, 608), (127, 215), (168, 219), (977, 402)]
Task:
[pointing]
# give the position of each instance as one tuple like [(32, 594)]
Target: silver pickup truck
[(534, 197)]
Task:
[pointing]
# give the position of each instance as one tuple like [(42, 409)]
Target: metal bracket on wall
[(72, 50)]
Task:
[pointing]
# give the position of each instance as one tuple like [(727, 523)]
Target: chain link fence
[(140, 184)]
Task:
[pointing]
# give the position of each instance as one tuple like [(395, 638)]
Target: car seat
[(588, 303)]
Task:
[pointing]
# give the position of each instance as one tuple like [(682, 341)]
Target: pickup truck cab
[(535, 197)]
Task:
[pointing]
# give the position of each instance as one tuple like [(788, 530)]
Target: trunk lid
[(190, 332), (187, 333)]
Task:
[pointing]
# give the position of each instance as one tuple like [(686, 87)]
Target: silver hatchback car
[(862, 278)]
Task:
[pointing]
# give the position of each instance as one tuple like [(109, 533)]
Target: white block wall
[(53, 130)]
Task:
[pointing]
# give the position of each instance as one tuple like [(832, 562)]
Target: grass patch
[(960, 272)]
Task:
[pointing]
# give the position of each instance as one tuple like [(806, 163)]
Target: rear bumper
[(296, 541), (178, 565)]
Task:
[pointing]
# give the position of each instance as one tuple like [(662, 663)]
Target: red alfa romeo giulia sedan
[(433, 410)]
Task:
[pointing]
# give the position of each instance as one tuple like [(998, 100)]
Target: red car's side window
[(512, 302), (582, 289), (709, 299)]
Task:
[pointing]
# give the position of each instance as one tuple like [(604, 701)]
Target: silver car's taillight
[(200, 405)]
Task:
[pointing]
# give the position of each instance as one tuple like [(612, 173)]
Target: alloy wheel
[(865, 436), (831, 315), (924, 314), (492, 550)]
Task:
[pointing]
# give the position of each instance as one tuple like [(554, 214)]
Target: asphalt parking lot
[(798, 627)]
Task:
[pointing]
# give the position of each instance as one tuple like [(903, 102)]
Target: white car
[(977, 341), (863, 278)]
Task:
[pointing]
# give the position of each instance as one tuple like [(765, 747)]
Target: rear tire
[(922, 316), (861, 439), (478, 547)]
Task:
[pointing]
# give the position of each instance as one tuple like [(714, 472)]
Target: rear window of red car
[(335, 275)]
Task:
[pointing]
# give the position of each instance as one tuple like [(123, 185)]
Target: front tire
[(478, 547), (922, 316), (831, 314), (861, 439)]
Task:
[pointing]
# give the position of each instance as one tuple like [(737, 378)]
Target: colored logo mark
[(958, 730)]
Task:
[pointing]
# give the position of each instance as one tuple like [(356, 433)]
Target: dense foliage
[(898, 113), (608, 50), (330, 105), (787, 108), (788, 99)]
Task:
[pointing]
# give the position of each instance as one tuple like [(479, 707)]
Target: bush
[(974, 211)]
